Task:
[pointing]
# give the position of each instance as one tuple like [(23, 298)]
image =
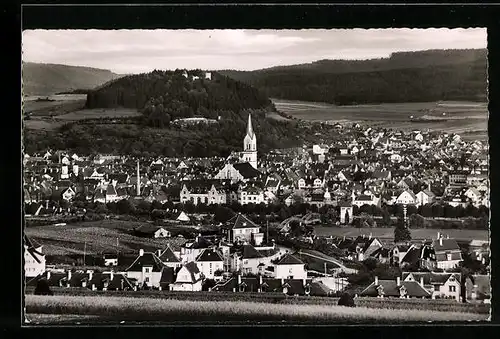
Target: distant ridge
[(429, 75), (48, 79)]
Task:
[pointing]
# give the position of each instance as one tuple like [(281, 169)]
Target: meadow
[(466, 118), (116, 309), (388, 233)]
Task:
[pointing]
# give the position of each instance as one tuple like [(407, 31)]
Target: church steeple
[(250, 145), (249, 127)]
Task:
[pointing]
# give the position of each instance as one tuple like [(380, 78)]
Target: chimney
[(422, 281), (239, 279), (111, 275), (48, 275), (376, 280), (398, 281), (260, 280), (439, 235), (158, 253), (282, 281), (441, 241), (69, 275), (90, 273), (141, 252)]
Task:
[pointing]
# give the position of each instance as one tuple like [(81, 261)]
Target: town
[(267, 223)]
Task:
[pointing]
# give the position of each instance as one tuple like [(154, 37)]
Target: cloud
[(127, 51)]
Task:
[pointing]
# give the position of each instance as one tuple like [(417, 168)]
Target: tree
[(223, 214), (42, 288), (125, 207), (401, 232), (386, 218), (346, 300)]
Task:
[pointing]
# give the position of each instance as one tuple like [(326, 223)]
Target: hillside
[(48, 79), (403, 77)]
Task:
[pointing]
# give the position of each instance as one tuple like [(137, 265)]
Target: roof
[(431, 278), (167, 276), (391, 289), (447, 245), (289, 259), (147, 259), (241, 221), (209, 255), (246, 170), (249, 252), (168, 256)]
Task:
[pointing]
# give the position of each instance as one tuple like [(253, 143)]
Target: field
[(93, 237), (466, 118), (111, 309), (388, 233), (49, 115)]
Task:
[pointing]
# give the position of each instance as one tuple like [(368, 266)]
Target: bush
[(346, 300), (42, 288)]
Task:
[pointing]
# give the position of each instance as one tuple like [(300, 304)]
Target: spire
[(249, 126)]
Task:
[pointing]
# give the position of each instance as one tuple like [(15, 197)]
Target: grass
[(388, 233), (99, 113), (395, 115), (98, 236), (153, 309)]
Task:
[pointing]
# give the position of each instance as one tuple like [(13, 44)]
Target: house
[(439, 285), (240, 228), (151, 231), (147, 269), (251, 194), (183, 217), (398, 253), (34, 259), (346, 212), (110, 259), (365, 199), (251, 260), (188, 278), (422, 257), (238, 172), (474, 195), (425, 197), (395, 289), (448, 253), (290, 267), (407, 197), (478, 287), (190, 250), (169, 258), (208, 262)]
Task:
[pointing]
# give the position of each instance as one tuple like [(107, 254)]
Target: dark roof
[(169, 256), (249, 252), (431, 278), (391, 289), (241, 221), (147, 259), (246, 170), (448, 245), (209, 255), (289, 259), (167, 276)]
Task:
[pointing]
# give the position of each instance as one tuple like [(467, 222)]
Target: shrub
[(42, 288), (346, 300)]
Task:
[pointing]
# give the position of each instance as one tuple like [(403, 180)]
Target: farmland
[(388, 233), (115, 309), (465, 118)]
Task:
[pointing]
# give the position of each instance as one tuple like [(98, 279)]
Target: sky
[(137, 51)]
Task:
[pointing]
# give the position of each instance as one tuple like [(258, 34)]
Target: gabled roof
[(209, 255), (447, 245), (168, 256), (391, 289), (246, 170), (147, 259), (249, 252), (289, 259), (241, 221)]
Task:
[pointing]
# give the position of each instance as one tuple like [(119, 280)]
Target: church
[(246, 169)]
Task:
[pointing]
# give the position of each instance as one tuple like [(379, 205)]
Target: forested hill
[(48, 79), (403, 77), (167, 95)]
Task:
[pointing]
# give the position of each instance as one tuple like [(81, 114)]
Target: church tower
[(249, 153)]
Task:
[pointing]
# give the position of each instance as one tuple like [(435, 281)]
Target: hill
[(48, 79), (403, 77)]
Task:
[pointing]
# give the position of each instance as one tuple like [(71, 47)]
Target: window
[(452, 288), (146, 280), (146, 270), (290, 270)]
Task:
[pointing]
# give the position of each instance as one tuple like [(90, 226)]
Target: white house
[(425, 197), (169, 258), (290, 267), (208, 262), (448, 253), (188, 278), (146, 269), (474, 195), (407, 198), (241, 228), (440, 285), (34, 259)]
